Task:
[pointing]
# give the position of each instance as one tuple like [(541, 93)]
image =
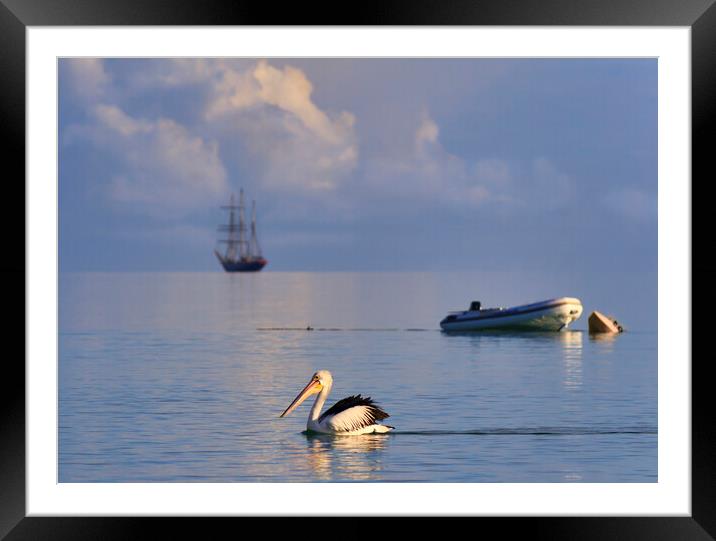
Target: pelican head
[(319, 381)]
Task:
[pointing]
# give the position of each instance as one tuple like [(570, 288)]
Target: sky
[(360, 164)]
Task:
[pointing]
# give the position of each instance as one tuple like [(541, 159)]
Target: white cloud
[(179, 72), (423, 171), (430, 173), (164, 167), (290, 144), (298, 146), (231, 91), (87, 77), (288, 89), (295, 145), (427, 133), (117, 120)]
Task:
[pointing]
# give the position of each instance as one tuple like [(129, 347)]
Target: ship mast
[(239, 248), (242, 226), (254, 248), (230, 229), (236, 233)]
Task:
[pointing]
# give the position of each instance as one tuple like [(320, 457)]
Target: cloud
[(288, 90), (88, 79), (163, 167), (422, 171), (263, 113), (264, 116), (117, 120), (429, 172), (176, 72), (427, 133), (298, 145), (491, 180)]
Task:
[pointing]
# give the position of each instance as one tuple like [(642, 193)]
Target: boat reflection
[(565, 336), (350, 458), (567, 344), (603, 340), (571, 344), (572, 356)]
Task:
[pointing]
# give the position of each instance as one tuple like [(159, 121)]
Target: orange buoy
[(598, 322)]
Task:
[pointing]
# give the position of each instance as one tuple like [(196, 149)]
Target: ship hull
[(253, 265)]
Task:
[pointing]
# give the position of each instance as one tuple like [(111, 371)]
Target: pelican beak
[(313, 387)]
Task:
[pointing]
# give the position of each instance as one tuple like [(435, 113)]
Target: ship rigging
[(241, 255)]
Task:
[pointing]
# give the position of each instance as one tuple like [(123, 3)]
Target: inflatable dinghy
[(549, 315)]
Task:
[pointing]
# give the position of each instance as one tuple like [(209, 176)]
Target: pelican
[(351, 416)]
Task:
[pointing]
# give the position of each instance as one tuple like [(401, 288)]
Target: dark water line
[(342, 330), (497, 333), (525, 432)]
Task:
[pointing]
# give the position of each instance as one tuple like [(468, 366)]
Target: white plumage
[(351, 416)]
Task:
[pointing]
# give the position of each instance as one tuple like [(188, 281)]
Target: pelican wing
[(352, 413)]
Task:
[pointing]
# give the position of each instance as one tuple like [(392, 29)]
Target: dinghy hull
[(550, 315)]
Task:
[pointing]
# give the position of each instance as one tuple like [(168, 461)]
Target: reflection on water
[(570, 347), (572, 340), (353, 458), (572, 355), (605, 340), (565, 336)]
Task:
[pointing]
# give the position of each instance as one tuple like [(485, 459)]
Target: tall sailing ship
[(241, 255)]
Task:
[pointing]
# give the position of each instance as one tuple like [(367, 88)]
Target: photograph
[(358, 270), (436, 264)]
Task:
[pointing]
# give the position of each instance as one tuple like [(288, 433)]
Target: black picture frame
[(16, 15)]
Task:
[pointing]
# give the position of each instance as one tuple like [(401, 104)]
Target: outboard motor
[(475, 306)]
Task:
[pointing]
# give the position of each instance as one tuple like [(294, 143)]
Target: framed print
[(365, 181)]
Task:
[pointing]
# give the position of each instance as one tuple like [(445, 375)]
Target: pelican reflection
[(336, 458)]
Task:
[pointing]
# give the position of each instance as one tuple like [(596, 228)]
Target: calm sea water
[(177, 377)]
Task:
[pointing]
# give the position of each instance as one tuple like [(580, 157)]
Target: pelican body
[(351, 416)]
